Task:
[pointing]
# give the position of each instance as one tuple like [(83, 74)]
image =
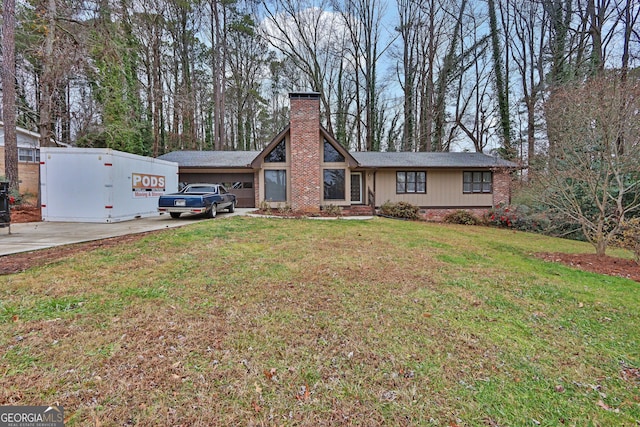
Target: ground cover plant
[(252, 321)]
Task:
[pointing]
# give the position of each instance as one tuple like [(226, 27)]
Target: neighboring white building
[(28, 144), (28, 159)]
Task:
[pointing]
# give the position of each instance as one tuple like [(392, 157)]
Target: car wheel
[(213, 211), (232, 207), (174, 214)]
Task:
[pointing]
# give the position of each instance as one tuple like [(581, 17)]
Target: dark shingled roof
[(243, 159), (429, 160), (211, 159)]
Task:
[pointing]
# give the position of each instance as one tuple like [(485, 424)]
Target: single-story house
[(305, 168), (28, 159)]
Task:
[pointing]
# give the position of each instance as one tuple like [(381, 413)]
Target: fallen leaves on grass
[(271, 374), (630, 374), (303, 393), (607, 407), (389, 395)]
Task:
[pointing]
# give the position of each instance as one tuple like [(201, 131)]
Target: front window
[(411, 182), (275, 185), (477, 182), (331, 155), (334, 184), (278, 154)]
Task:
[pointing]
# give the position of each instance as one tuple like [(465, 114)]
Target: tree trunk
[(531, 130), (427, 114), (601, 247), (156, 93), (47, 79), (9, 93), (449, 68), (629, 22), (501, 87), (595, 30), (218, 66)]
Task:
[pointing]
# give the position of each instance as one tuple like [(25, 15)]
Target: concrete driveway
[(40, 235)]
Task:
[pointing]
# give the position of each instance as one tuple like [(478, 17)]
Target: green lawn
[(249, 321)]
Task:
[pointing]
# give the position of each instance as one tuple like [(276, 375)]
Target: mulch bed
[(25, 213), (608, 265)]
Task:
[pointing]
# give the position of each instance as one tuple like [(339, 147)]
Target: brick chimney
[(306, 187)]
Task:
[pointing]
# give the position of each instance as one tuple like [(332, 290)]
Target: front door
[(356, 187)]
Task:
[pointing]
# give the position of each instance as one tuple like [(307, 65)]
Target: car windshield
[(201, 189)]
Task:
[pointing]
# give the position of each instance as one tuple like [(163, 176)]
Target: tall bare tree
[(49, 76), (500, 83), (452, 67), (150, 30), (246, 59), (408, 25), (9, 93), (433, 59), (362, 22), (474, 108), (310, 37), (218, 12), (629, 15), (528, 40)]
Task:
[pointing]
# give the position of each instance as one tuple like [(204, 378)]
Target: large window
[(477, 182), (278, 154), (411, 182), (331, 155), (275, 185), (334, 184)]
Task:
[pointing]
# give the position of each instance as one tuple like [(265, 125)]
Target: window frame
[(477, 184), (266, 182), (32, 153), (327, 150), (344, 184), (281, 149), (407, 181)]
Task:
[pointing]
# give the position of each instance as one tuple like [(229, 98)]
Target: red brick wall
[(305, 152), (256, 191), (501, 187)]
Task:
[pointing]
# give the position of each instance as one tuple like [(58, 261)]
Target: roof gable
[(257, 162), (259, 159), (351, 161)]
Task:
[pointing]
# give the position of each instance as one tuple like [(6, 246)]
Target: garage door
[(240, 184)]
